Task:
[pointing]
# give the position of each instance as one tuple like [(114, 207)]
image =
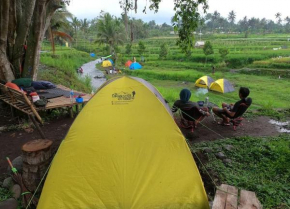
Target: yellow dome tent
[(222, 86), (124, 151), (106, 63), (204, 82)]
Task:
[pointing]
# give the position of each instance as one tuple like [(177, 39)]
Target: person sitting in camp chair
[(229, 112), (191, 112)]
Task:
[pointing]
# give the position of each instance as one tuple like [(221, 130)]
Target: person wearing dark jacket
[(185, 106), (228, 110)]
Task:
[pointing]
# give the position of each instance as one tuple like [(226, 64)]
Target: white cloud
[(251, 8)]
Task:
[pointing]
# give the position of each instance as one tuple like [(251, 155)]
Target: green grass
[(4, 194), (264, 89), (60, 68), (258, 164)]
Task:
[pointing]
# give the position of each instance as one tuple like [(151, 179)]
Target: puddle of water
[(281, 127), (97, 76)]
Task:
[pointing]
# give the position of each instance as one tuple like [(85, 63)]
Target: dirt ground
[(56, 129)]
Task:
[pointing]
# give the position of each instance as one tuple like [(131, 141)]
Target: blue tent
[(135, 66), (92, 54), (111, 61)]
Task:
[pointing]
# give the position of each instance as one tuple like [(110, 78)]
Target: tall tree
[(110, 31), (23, 22), (186, 12), (75, 23), (84, 25), (232, 17), (207, 49), (278, 17)]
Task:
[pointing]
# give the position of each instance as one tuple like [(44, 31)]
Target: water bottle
[(71, 96), (206, 101)]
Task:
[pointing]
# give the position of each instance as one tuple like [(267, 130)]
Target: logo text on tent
[(123, 97)]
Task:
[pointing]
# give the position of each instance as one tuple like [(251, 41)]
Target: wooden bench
[(229, 197), (19, 100)]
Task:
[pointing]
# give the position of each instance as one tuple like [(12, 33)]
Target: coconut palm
[(215, 17), (75, 23), (59, 26), (232, 17), (84, 25), (278, 17), (287, 19), (110, 31)]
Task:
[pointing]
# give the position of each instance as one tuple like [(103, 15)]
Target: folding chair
[(237, 119), (188, 117)]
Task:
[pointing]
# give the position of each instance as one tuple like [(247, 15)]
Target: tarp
[(112, 62), (222, 85), (128, 63), (135, 66), (204, 82), (124, 150), (106, 63), (92, 54)]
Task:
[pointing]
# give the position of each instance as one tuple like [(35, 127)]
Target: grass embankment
[(60, 68), (181, 71), (264, 89), (258, 164)]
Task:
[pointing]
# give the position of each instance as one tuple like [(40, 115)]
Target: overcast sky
[(252, 8)]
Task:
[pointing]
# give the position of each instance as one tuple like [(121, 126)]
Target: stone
[(227, 161), (220, 155), (229, 147), (7, 183), (16, 191), (207, 150), (10, 203), (218, 149), (2, 128), (17, 163)]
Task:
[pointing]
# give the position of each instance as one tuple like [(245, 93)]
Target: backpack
[(41, 102)]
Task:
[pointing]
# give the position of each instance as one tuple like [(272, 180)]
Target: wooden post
[(32, 118), (71, 112), (36, 157), (77, 108), (12, 111)]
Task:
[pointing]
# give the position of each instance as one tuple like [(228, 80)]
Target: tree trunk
[(43, 12), (34, 41), (24, 12), (6, 72), (36, 157), (52, 6)]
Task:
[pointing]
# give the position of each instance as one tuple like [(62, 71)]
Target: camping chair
[(237, 119), (188, 117)]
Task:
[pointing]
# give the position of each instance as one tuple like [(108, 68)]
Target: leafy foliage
[(258, 164), (141, 48), (128, 49), (110, 31), (223, 52), (163, 51), (185, 21), (4, 194), (207, 49)]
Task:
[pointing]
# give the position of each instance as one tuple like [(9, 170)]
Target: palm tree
[(84, 25), (287, 19), (278, 17), (244, 24), (110, 31), (59, 26), (215, 17), (232, 17), (75, 23)]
